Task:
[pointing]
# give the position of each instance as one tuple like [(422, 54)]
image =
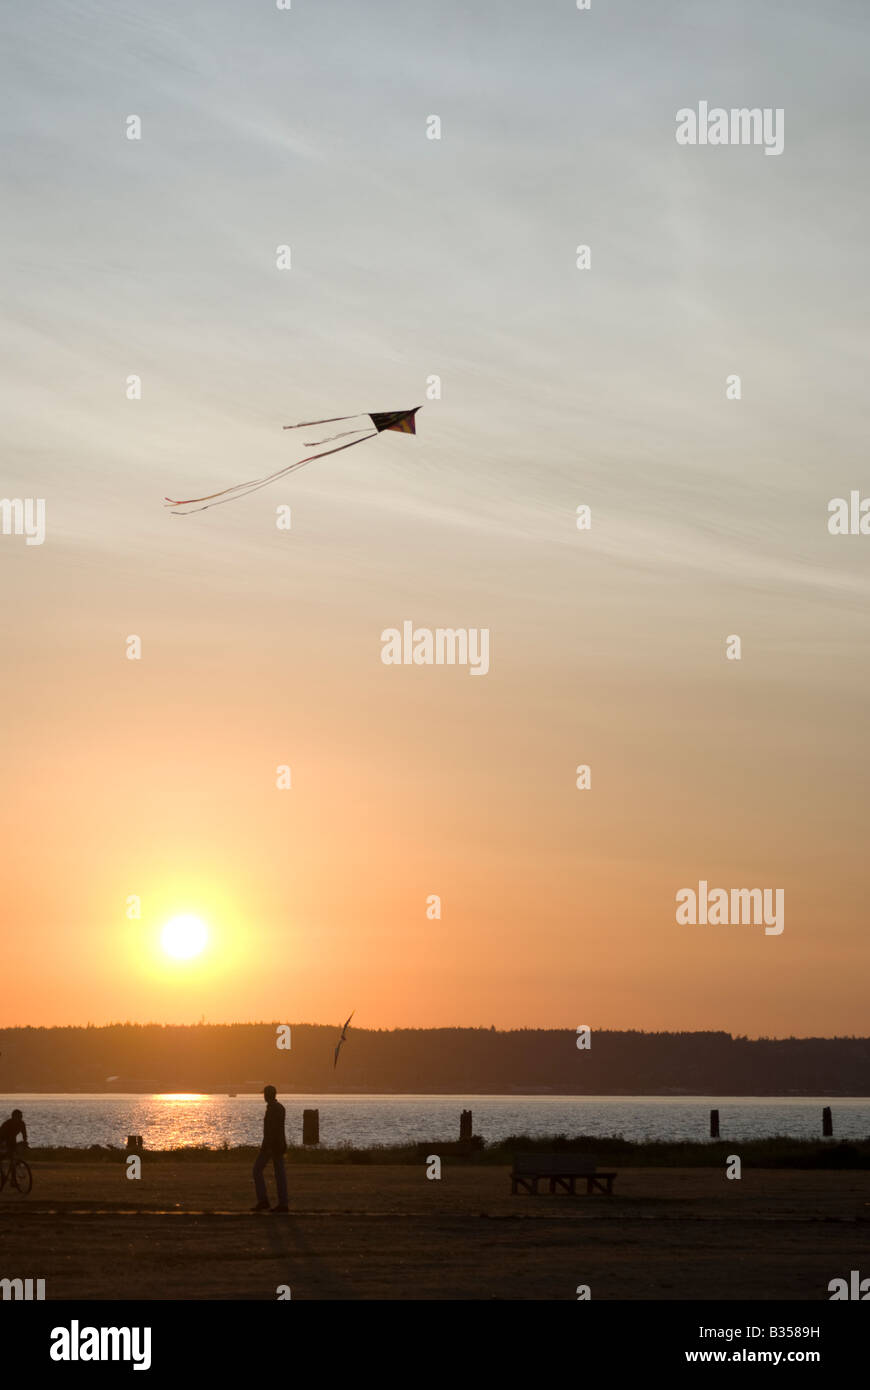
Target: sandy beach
[(183, 1231)]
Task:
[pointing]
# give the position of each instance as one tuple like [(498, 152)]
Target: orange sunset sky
[(414, 258)]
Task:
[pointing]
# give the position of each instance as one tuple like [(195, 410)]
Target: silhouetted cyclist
[(9, 1132), (274, 1148)]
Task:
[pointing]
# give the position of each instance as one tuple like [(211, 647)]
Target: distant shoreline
[(218, 1059)]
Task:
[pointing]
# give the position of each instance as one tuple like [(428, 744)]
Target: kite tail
[(333, 420), (243, 490), (229, 494), (312, 443)]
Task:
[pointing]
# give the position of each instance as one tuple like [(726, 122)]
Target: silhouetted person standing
[(274, 1148), (9, 1132)]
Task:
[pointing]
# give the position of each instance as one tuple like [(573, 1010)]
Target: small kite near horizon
[(343, 1038), (400, 420)]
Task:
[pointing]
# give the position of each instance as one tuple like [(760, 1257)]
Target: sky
[(413, 258)]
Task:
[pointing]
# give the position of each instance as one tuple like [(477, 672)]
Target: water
[(170, 1121)]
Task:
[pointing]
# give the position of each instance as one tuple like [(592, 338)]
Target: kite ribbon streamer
[(229, 494), (333, 420), (312, 443)]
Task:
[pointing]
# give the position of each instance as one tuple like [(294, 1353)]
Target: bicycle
[(20, 1169)]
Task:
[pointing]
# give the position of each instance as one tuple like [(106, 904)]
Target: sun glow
[(184, 937)]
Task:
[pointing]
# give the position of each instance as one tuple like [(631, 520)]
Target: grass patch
[(776, 1152)]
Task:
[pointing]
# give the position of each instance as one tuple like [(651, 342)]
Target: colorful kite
[(402, 420)]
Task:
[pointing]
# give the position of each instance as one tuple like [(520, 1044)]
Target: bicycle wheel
[(23, 1176)]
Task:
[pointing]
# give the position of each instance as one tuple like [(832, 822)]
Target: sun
[(184, 937)]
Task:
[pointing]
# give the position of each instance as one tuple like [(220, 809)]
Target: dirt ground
[(183, 1231)]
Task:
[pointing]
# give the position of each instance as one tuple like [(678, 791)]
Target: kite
[(401, 420), (343, 1038)]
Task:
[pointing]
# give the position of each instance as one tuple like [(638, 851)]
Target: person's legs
[(280, 1180), (259, 1180)]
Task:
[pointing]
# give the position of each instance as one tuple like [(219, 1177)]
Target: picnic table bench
[(562, 1170)]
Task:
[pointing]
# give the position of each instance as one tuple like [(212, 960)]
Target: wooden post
[(827, 1123), (311, 1126), (714, 1124), (465, 1125), (134, 1144)]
